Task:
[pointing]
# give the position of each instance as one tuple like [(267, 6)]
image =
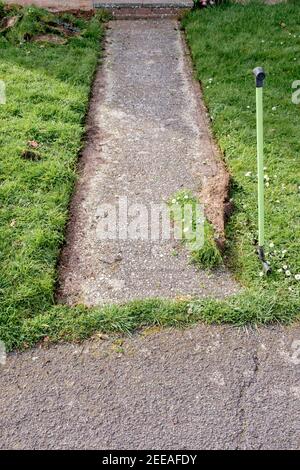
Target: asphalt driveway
[(199, 388)]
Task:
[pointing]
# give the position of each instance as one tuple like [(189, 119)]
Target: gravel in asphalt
[(207, 387)]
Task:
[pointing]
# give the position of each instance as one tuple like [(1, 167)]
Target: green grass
[(47, 88), (226, 44), (62, 323), (204, 255), (47, 97)]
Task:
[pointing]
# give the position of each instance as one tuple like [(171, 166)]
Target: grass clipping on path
[(47, 89), (204, 254)]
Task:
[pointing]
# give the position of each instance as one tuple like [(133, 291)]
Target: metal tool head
[(259, 75), (265, 265)]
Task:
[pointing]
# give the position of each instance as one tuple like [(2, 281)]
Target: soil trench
[(147, 139)]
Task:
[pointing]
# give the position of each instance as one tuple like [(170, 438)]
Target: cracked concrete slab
[(201, 388), (145, 143)]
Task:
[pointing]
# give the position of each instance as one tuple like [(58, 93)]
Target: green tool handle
[(260, 165)]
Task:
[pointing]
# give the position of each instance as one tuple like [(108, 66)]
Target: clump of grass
[(33, 21), (2, 10), (194, 230), (209, 255), (103, 15)]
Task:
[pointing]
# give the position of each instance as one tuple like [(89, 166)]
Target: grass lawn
[(226, 44), (47, 95), (47, 88)]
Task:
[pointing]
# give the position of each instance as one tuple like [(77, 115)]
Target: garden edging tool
[(260, 75)]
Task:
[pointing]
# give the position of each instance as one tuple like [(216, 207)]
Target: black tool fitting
[(259, 75)]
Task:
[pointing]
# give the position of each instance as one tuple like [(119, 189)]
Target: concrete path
[(89, 4), (201, 388), (146, 142)]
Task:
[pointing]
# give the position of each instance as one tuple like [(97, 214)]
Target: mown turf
[(226, 44), (47, 98), (47, 91)]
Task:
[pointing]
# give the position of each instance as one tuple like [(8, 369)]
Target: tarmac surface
[(201, 388)]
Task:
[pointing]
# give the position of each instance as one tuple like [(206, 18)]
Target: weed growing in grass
[(206, 254)]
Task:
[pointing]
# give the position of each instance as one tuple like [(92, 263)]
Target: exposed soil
[(215, 179), (50, 38)]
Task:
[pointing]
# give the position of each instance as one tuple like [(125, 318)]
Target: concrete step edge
[(143, 5)]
